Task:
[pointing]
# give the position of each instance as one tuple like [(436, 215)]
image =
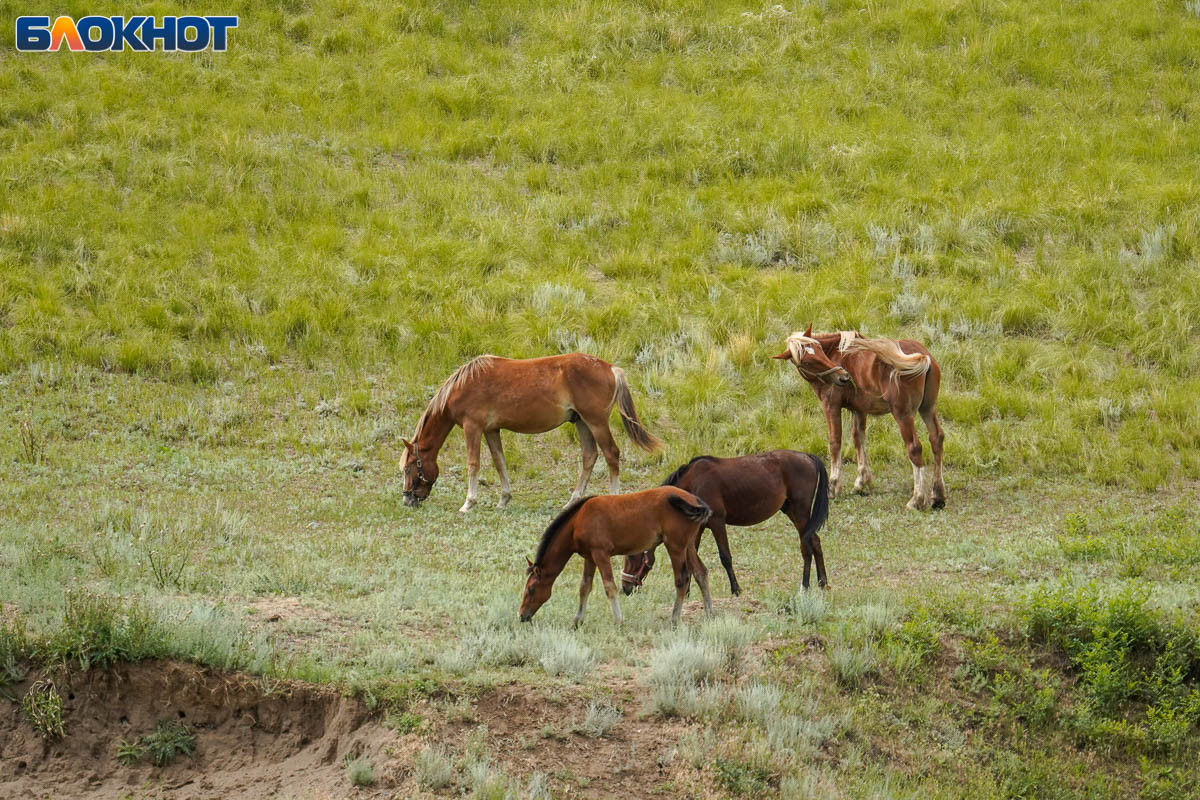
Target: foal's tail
[(633, 426), (820, 504), (696, 512)]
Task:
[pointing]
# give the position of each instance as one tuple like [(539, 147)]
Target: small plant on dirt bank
[(432, 768), (169, 739), (360, 771), (43, 708), (600, 719)]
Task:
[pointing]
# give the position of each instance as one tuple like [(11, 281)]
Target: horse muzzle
[(411, 500)]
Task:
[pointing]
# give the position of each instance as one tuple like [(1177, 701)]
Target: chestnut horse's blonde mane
[(905, 365), (466, 372)]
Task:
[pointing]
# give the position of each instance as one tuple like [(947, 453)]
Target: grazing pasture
[(230, 283)]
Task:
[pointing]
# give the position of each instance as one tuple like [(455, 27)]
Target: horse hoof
[(504, 501), (940, 503)]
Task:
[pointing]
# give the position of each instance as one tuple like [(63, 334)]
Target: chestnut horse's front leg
[(603, 562), (472, 434), (497, 449), (858, 421), (833, 418), (585, 588)]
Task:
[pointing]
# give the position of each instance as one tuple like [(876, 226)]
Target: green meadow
[(229, 282)]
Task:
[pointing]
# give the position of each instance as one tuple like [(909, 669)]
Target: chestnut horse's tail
[(633, 426), (819, 512), (696, 512), (904, 365)]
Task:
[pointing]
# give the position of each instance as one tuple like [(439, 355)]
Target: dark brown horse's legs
[(800, 520), (722, 539)]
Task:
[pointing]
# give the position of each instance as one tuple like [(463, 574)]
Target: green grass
[(230, 282)]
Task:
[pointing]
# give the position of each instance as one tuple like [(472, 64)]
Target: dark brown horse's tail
[(820, 504), (696, 512), (633, 426)]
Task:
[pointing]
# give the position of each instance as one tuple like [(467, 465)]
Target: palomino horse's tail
[(905, 365), (696, 512), (633, 426), (820, 504)]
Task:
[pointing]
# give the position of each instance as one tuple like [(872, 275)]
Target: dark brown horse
[(874, 376), (746, 491), (534, 395), (599, 528)]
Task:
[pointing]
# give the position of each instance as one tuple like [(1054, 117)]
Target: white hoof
[(505, 499), (467, 506)]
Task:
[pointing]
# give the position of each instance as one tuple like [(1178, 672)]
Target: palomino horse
[(599, 528), (490, 394), (746, 491), (874, 376)]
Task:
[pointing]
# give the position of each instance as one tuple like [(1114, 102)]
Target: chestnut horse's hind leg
[(859, 430), (908, 431), (603, 562), (936, 439), (585, 588), (587, 447), (612, 454), (497, 450), (472, 435)]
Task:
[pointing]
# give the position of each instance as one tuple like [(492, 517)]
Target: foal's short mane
[(674, 478), (557, 525), (464, 373)]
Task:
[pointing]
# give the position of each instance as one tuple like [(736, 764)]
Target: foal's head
[(537, 591), (809, 357), (419, 476), (636, 568)]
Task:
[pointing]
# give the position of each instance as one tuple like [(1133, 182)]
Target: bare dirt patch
[(253, 739)]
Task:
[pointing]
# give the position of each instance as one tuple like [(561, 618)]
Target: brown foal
[(874, 376), (598, 528), (534, 395)]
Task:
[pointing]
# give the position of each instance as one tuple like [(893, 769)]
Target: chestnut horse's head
[(537, 590), (809, 357), (636, 568), (419, 476)]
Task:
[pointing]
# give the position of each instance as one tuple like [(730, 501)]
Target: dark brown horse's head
[(636, 568), (419, 475), (537, 591), (811, 361)]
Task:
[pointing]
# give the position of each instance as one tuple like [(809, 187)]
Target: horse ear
[(808, 331), (407, 444), (786, 355), (527, 561)]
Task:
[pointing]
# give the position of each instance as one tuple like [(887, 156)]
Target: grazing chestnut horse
[(874, 376), (746, 491), (490, 394), (599, 528)]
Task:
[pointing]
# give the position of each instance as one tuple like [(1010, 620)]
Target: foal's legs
[(585, 587), (472, 435), (697, 568), (833, 418), (908, 431), (497, 450), (799, 517), (587, 447), (612, 453), (720, 535), (859, 430), (936, 438), (603, 562)]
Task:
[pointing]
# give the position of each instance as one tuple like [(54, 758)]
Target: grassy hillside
[(386, 192), (230, 282)]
